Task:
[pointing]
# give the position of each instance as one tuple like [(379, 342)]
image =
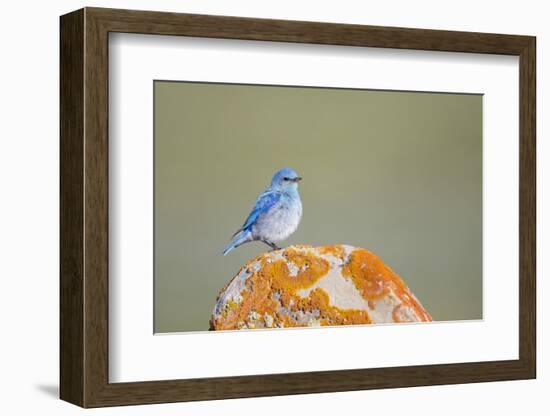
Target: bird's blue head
[(285, 179)]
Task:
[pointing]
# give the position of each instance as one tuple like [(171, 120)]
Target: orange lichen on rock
[(337, 251), (377, 282), (315, 286)]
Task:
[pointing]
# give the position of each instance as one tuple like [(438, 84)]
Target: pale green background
[(399, 173)]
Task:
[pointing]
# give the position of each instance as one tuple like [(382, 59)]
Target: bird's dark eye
[(286, 179)]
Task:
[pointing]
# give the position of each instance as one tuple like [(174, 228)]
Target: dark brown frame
[(84, 207)]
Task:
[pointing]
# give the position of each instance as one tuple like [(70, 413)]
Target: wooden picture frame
[(84, 207)]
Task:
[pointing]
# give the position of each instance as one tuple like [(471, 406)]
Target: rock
[(315, 286)]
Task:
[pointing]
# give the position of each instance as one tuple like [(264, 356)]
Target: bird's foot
[(274, 247)]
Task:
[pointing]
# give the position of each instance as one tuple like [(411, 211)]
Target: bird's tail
[(238, 239)]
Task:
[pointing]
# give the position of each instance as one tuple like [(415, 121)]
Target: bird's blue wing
[(264, 203)]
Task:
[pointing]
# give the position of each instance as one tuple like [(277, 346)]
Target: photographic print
[(296, 206), (259, 183)]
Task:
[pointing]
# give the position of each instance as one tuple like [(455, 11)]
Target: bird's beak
[(298, 179)]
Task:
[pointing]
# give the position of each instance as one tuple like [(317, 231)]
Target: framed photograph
[(254, 207)]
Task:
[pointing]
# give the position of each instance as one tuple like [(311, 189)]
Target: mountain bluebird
[(275, 215)]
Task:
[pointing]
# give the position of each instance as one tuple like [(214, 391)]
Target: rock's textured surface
[(313, 286)]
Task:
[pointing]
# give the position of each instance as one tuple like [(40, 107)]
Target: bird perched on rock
[(276, 213)]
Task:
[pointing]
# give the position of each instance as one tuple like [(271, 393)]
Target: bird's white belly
[(279, 223)]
